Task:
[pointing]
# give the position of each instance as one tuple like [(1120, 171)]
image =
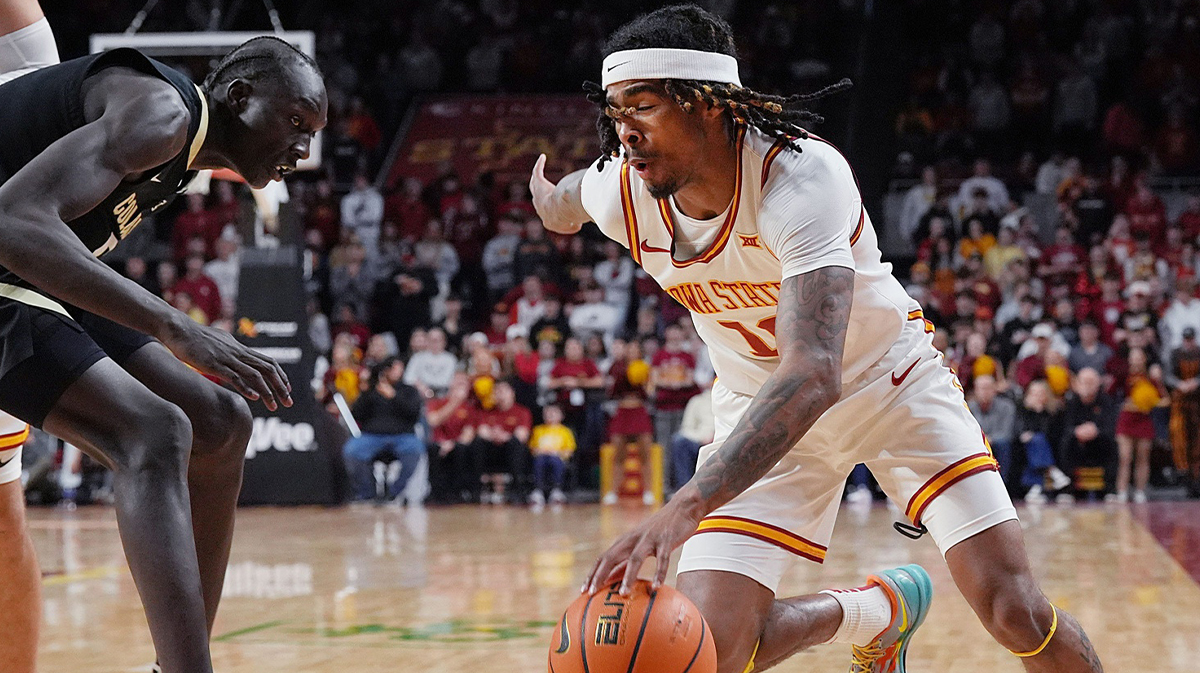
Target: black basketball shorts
[(44, 348)]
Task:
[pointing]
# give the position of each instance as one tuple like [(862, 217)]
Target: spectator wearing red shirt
[(629, 377), (346, 322), (201, 288), (1107, 310), (576, 380), (1064, 258), (1033, 367), (362, 127), (517, 203), (323, 214), (408, 210), (1175, 144), (501, 442), (196, 221), (674, 372), (1147, 214), (452, 421), (522, 362), (1189, 219)]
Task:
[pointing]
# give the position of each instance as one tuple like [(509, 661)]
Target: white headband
[(669, 64)]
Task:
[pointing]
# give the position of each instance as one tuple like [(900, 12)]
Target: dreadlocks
[(690, 27), (257, 58)]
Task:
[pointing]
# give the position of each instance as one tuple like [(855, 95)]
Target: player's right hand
[(545, 203), (214, 352)]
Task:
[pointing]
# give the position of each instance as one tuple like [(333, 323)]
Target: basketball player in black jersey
[(88, 148)]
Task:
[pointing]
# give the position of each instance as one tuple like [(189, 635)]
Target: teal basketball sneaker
[(910, 592)]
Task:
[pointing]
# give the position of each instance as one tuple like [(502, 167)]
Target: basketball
[(645, 632)]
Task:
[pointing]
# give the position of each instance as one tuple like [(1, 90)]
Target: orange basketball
[(645, 632)]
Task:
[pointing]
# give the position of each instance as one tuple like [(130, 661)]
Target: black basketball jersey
[(39, 108)]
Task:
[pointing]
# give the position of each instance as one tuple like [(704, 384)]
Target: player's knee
[(223, 428), (1015, 613), (156, 439)]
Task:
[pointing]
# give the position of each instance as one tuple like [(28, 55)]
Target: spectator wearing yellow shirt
[(1000, 255), (552, 445), (977, 241)]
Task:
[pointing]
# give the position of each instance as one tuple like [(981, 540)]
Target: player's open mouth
[(281, 170), (640, 165)]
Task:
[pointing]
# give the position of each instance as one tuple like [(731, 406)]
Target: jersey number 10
[(758, 346)]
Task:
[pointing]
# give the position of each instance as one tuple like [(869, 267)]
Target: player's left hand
[(658, 536)]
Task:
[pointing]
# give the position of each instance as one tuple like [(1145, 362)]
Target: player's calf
[(993, 574)]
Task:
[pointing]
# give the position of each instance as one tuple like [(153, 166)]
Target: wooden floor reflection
[(467, 589)]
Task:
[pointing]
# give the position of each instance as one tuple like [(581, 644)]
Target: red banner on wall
[(501, 134)]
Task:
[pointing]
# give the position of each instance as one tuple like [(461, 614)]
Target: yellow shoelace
[(862, 659)]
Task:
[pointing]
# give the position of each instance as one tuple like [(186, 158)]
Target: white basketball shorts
[(27, 49), (905, 418)]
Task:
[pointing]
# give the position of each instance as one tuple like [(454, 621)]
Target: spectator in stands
[(468, 228), (1006, 250), (1147, 213), (432, 251), (536, 255), (380, 348), (387, 413), (1138, 315), (451, 420), (531, 305), (433, 369), (353, 281), (1090, 352), (521, 367), (225, 269), (1065, 324), (575, 381), (138, 271), (502, 440), (1183, 379), (552, 326), (594, 315), (200, 288), (1176, 147), (1189, 220), (362, 127), (1091, 214), (499, 257), (195, 222), (362, 213), (452, 323), (1051, 174), (917, 201), (674, 383), (408, 210), (614, 274), (1033, 366), (1182, 313), (997, 416), (977, 241), (629, 379), (1036, 431), (1075, 108), (1089, 427), (552, 445), (981, 178), (697, 430), (347, 322), (1143, 390), (402, 298)]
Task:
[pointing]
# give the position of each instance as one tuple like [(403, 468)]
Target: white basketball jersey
[(791, 213)]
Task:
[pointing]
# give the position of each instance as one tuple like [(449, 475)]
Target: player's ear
[(238, 94)]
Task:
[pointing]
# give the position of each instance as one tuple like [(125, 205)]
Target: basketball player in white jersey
[(822, 360), (26, 44)]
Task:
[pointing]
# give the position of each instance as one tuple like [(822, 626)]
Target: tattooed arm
[(810, 330), (814, 309)]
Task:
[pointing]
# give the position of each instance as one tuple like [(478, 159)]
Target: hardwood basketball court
[(472, 588)]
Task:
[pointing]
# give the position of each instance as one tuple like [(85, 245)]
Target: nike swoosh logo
[(155, 179), (647, 248), (616, 65), (897, 380), (6, 462)]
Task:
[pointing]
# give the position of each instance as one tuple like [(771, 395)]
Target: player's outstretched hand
[(657, 536), (546, 202), (215, 352)]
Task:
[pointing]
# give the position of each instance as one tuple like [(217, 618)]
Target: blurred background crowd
[(1036, 168)]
